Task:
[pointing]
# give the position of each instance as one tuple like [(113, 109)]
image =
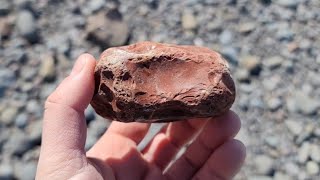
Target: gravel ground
[(272, 46)]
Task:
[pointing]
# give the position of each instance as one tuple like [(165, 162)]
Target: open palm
[(213, 153)]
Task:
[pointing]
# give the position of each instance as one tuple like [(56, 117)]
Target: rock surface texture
[(153, 82)]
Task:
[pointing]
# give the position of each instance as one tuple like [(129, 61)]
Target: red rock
[(153, 82)]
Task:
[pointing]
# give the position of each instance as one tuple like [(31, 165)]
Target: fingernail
[(78, 66)]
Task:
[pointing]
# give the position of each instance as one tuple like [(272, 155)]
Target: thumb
[(64, 126)]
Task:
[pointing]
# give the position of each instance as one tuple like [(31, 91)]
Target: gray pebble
[(274, 103), (303, 153), (46, 90), (247, 27), (273, 62), (8, 115), (28, 73), (33, 106), (272, 141), (59, 43), (315, 152), (7, 79), (263, 164), (288, 3), (90, 141), (117, 34), (34, 132), (242, 75), (226, 37), (16, 54), (300, 102), (99, 126), (305, 134), (316, 132), (27, 26), (95, 5), (252, 64), (256, 102), (25, 170), (281, 176), (292, 169), (89, 114), (312, 168), (285, 34), (270, 83), (6, 171), (21, 120), (17, 144), (295, 127), (5, 7), (256, 177), (231, 54)]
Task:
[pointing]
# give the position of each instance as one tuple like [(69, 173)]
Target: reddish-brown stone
[(153, 82)]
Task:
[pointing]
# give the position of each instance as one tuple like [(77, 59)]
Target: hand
[(214, 154)]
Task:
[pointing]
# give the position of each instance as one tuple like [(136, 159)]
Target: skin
[(213, 154)]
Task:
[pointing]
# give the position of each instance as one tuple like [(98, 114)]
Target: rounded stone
[(312, 168), (153, 82)]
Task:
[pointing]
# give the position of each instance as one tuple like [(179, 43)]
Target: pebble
[(7, 79), (34, 132), (300, 102), (188, 21), (25, 170), (6, 171), (285, 34), (305, 134), (8, 115), (226, 37), (99, 126), (255, 102), (288, 3), (117, 34), (95, 5), (242, 75), (231, 54), (312, 168), (89, 114), (252, 64), (273, 62), (294, 127), (33, 106), (5, 28), (90, 141), (17, 144), (271, 83), (47, 69), (303, 152), (247, 27), (26, 26), (5, 7), (274, 103), (28, 73), (255, 177), (292, 169), (21, 120), (59, 43), (263, 164), (315, 153), (272, 141), (16, 54), (281, 176), (316, 132)]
